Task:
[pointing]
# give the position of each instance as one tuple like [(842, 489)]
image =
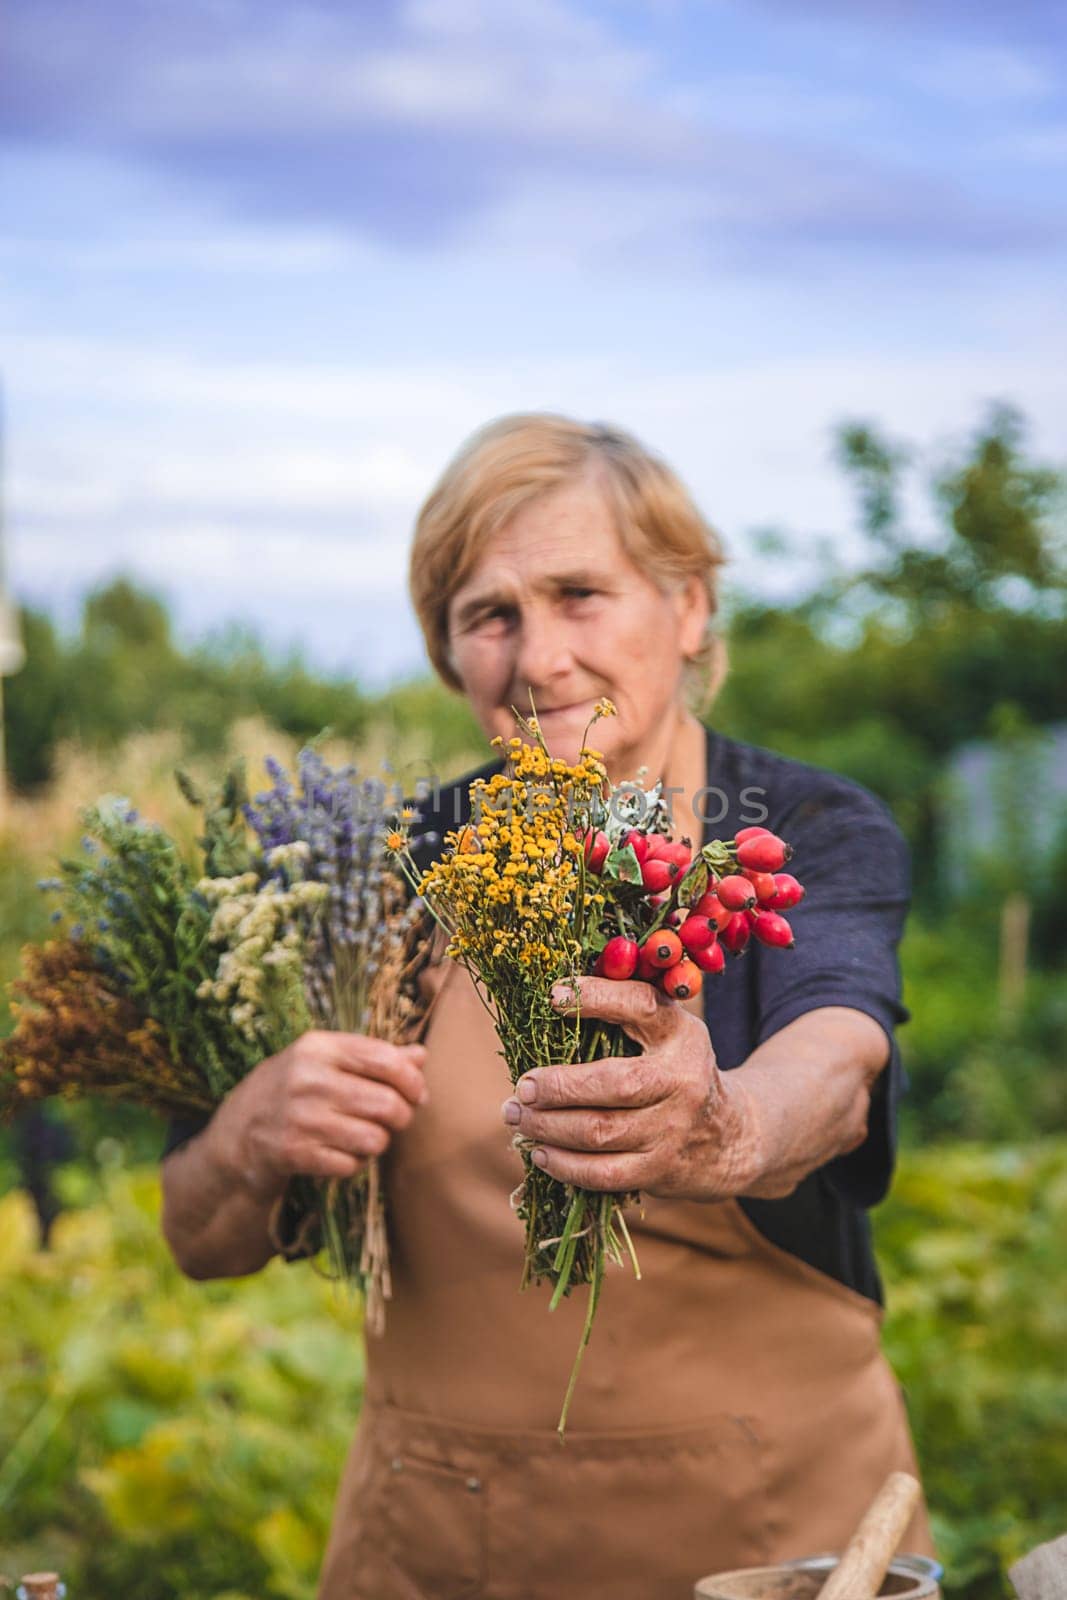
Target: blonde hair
[(513, 460)]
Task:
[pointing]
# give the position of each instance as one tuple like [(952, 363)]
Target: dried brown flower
[(76, 1034)]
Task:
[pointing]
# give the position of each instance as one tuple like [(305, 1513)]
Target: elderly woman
[(735, 1406)]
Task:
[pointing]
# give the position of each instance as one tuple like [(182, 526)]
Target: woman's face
[(556, 606)]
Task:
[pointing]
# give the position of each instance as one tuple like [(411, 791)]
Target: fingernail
[(512, 1111), (539, 1158), (562, 994), (526, 1088)]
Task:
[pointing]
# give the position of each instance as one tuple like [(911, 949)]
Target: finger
[(611, 1081), (367, 1097), (353, 1136), (645, 1013), (619, 1173), (591, 1131), (324, 1162), (398, 1065)]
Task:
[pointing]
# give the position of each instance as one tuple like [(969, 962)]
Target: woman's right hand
[(319, 1109)]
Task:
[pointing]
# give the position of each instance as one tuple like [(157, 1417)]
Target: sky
[(266, 263)]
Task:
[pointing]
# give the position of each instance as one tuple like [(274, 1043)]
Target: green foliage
[(23, 913), (155, 1438), (133, 898), (35, 711), (154, 1433), (881, 672), (977, 1070), (123, 672), (433, 724), (971, 1243)]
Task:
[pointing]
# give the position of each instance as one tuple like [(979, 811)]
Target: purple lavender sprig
[(343, 820), (330, 826)]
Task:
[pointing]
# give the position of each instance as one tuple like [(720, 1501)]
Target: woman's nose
[(544, 651)]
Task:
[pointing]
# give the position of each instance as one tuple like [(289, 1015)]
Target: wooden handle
[(859, 1573)]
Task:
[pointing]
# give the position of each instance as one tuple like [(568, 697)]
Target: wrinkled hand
[(319, 1108), (666, 1121)]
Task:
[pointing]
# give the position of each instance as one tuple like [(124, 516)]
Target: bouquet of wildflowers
[(362, 959), (557, 874), (170, 979)]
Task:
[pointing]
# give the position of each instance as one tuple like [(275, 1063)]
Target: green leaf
[(621, 865)]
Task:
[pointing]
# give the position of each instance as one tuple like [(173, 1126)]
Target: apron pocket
[(435, 1515), (635, 1515), (457, 1513)]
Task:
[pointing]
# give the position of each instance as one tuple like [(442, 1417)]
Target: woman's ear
[(691, 608)]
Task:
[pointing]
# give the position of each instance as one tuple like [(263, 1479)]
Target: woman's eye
[(579, 593), (494, 614)]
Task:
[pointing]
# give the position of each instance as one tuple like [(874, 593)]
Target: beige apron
[(734, 1407)]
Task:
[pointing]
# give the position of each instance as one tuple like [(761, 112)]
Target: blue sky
[(266, 263)]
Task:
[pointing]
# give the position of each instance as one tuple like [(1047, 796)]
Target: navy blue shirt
[(853, 861)]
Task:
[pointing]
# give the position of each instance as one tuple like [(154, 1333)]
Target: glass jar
[(41, 1586)]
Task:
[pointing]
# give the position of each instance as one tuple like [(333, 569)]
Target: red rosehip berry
[(663, 949), (683, 980), (677, 853), (618, 959), (656, 875), (597, 846), (772, 929), (763, 883), (788, 892), (735, 935), (680, 851), (735, 892), (646, 968), (711, 959), (696, 933), (709, 905), (765, 853), (748, 833), (638, 842)]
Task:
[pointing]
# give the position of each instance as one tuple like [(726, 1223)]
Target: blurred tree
[(893, 664), (121, 615), (34, 703), (1001, 547), (123, 671)]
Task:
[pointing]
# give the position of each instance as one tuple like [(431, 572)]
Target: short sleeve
[(854, 864)]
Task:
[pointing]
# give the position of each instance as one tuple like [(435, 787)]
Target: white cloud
[(196, 248), (60, 368), (308, 536)]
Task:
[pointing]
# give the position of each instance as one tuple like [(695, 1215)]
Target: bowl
[(908, 1578)]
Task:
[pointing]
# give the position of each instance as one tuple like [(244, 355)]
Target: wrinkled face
[(557, 606)]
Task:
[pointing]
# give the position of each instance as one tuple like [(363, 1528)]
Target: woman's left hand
[(667, 1121)]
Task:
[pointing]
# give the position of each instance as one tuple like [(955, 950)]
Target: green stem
[(568, 1244), (595, 1284)]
